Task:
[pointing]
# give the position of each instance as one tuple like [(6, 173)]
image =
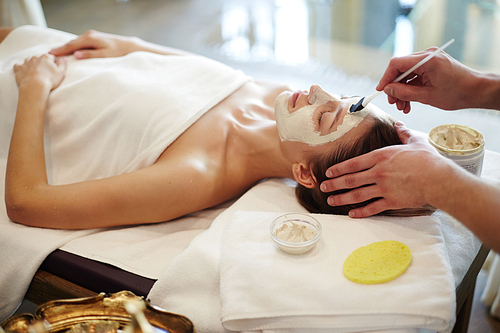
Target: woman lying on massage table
[(260, 130)]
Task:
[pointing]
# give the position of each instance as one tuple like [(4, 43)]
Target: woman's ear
[(303, 176)]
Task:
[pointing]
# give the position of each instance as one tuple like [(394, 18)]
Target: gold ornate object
[(19, 323), (96, 326), (102, 313)]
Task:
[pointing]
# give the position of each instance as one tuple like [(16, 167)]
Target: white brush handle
[(423, 61), (402, 76), (371, 98)]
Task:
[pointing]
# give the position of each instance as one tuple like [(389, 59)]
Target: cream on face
[(301, 124)]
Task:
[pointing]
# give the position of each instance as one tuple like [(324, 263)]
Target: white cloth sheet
[(108, 117), (22, 250), (263, 288)]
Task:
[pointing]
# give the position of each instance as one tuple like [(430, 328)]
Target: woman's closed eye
[(320, 115), (328, 119)]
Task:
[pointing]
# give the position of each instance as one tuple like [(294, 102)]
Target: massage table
[(67, 275)]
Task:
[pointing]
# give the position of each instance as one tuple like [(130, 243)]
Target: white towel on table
[(263, 288)]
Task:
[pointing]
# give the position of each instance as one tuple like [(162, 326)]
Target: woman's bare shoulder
[(4, 31)]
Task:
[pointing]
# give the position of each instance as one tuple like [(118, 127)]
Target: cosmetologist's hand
[(44, 69), (442, 82), (94, 44), (400, 176)]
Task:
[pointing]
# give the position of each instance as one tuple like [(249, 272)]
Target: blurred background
[(343, 45)]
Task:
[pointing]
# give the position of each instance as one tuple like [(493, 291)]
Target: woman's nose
[(314, 93)]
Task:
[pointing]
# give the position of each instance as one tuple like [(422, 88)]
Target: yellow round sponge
[(378, 262)]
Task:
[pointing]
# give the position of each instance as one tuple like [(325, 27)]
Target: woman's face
[(315, 121)]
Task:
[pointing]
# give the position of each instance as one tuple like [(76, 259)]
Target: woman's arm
[(26, 161), (4, 31), (168, 189), (94, 44), (161, 192)]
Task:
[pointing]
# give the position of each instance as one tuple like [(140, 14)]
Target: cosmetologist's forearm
[(472, 201)]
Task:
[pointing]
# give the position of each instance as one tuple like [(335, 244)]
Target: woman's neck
[(252, 144), (264, 154), (258, 147)]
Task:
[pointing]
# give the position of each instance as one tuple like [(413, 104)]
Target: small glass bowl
[(301, 219)]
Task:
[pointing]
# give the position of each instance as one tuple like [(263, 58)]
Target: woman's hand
[(44, 69), (94, 44)]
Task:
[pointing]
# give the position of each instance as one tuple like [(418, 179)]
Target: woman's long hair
[(381, 134)]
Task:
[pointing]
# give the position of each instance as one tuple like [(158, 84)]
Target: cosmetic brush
[(363, 102)]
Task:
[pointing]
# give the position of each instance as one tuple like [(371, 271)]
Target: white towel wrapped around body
[(116, 115), (109, 116)]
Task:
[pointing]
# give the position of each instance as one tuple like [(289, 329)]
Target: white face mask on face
[(300, 125)]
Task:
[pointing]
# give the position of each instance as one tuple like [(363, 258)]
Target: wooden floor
[(481, 321)]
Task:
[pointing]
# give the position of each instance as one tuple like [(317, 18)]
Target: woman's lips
[(295, 96)]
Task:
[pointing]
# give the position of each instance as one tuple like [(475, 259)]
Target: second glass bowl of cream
[(295, 233)]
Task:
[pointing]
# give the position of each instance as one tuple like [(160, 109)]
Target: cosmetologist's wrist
[(444, 183), (487, 92)]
